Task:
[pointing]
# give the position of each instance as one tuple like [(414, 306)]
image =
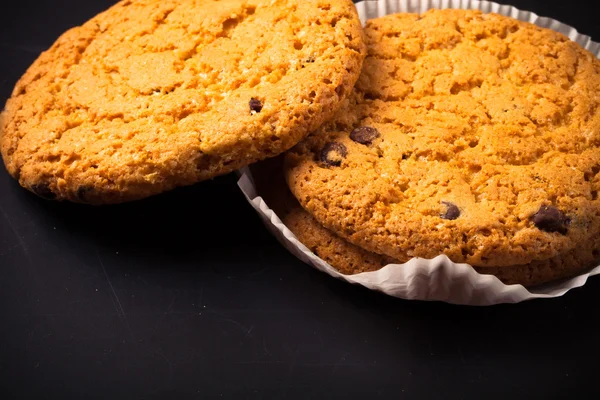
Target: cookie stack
[(451, 132), (467, 134)]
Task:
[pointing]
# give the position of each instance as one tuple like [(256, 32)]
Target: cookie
[(350, 259), (151, 95), (471, 135)]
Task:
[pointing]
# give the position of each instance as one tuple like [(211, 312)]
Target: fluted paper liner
[(439, 278)]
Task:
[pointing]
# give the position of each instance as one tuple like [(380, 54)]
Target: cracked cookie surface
[(150, 95), (468, 134)]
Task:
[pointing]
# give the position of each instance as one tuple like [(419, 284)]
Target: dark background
[(187, 295)]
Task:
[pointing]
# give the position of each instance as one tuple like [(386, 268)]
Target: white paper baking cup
[(439, 278)]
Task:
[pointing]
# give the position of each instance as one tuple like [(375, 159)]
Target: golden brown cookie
[(350, 259), (150, 95), (468, 134)]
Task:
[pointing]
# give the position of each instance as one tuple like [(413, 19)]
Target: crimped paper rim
[(439, 278)]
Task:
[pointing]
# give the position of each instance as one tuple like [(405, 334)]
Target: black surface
[(187, 295)]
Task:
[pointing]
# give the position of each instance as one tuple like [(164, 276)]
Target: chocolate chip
[(452, 211), (255, 105), (551, 219), (333, 153), (43, 190), (309, 60), (364, 135), (82, 192)]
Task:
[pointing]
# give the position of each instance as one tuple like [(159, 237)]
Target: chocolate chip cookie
[(468, 134), (150, 95), (350, 259)]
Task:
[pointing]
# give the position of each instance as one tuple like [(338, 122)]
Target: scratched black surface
[(186, 295)]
